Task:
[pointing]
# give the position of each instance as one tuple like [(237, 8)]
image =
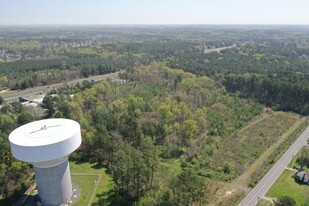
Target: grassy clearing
[(286, 185), (242, 148), (260, 136), (273, 153), (267, 137), (85, 175), (258, 163), (86, 186)]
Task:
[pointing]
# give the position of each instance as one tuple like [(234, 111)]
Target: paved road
[(47, 88), (219, 49), (263, 186)]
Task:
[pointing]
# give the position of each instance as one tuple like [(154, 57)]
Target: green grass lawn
[(87, 173), (86, 186), (286, 185)]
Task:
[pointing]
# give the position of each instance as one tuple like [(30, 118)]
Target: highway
[(47, 88), (260, 190)]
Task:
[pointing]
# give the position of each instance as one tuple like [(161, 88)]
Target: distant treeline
[(25, 74), (274, 92), (272, 61), (276, 75)]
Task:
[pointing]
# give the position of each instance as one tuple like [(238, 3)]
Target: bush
[(285, 201)]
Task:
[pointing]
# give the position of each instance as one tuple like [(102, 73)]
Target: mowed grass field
[(86, 186), (85, 175), (286, 185)]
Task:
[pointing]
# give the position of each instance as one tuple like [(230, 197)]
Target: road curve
[(260, 190)]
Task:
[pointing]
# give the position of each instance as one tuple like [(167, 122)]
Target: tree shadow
[(98, 166), (95, 166), (105, 198), (24, 200), (14, 198), (32, 200), (110, 198), (6, 201), (79, 162), (299, 182)]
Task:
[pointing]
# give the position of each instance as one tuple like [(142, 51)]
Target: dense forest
[(188, 94), (159, 115), (262, 64), (31, 73), (14, 175)]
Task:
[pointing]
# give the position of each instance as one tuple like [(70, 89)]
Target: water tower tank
[(47, 144)]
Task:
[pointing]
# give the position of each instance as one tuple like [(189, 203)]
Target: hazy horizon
[(229, 26), (160, 12)]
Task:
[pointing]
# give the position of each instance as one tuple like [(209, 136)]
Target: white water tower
[(47, 144)]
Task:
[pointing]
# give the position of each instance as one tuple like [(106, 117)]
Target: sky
[(54, 12)]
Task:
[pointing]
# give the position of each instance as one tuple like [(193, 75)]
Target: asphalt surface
[(47, 88), (260, 190)]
